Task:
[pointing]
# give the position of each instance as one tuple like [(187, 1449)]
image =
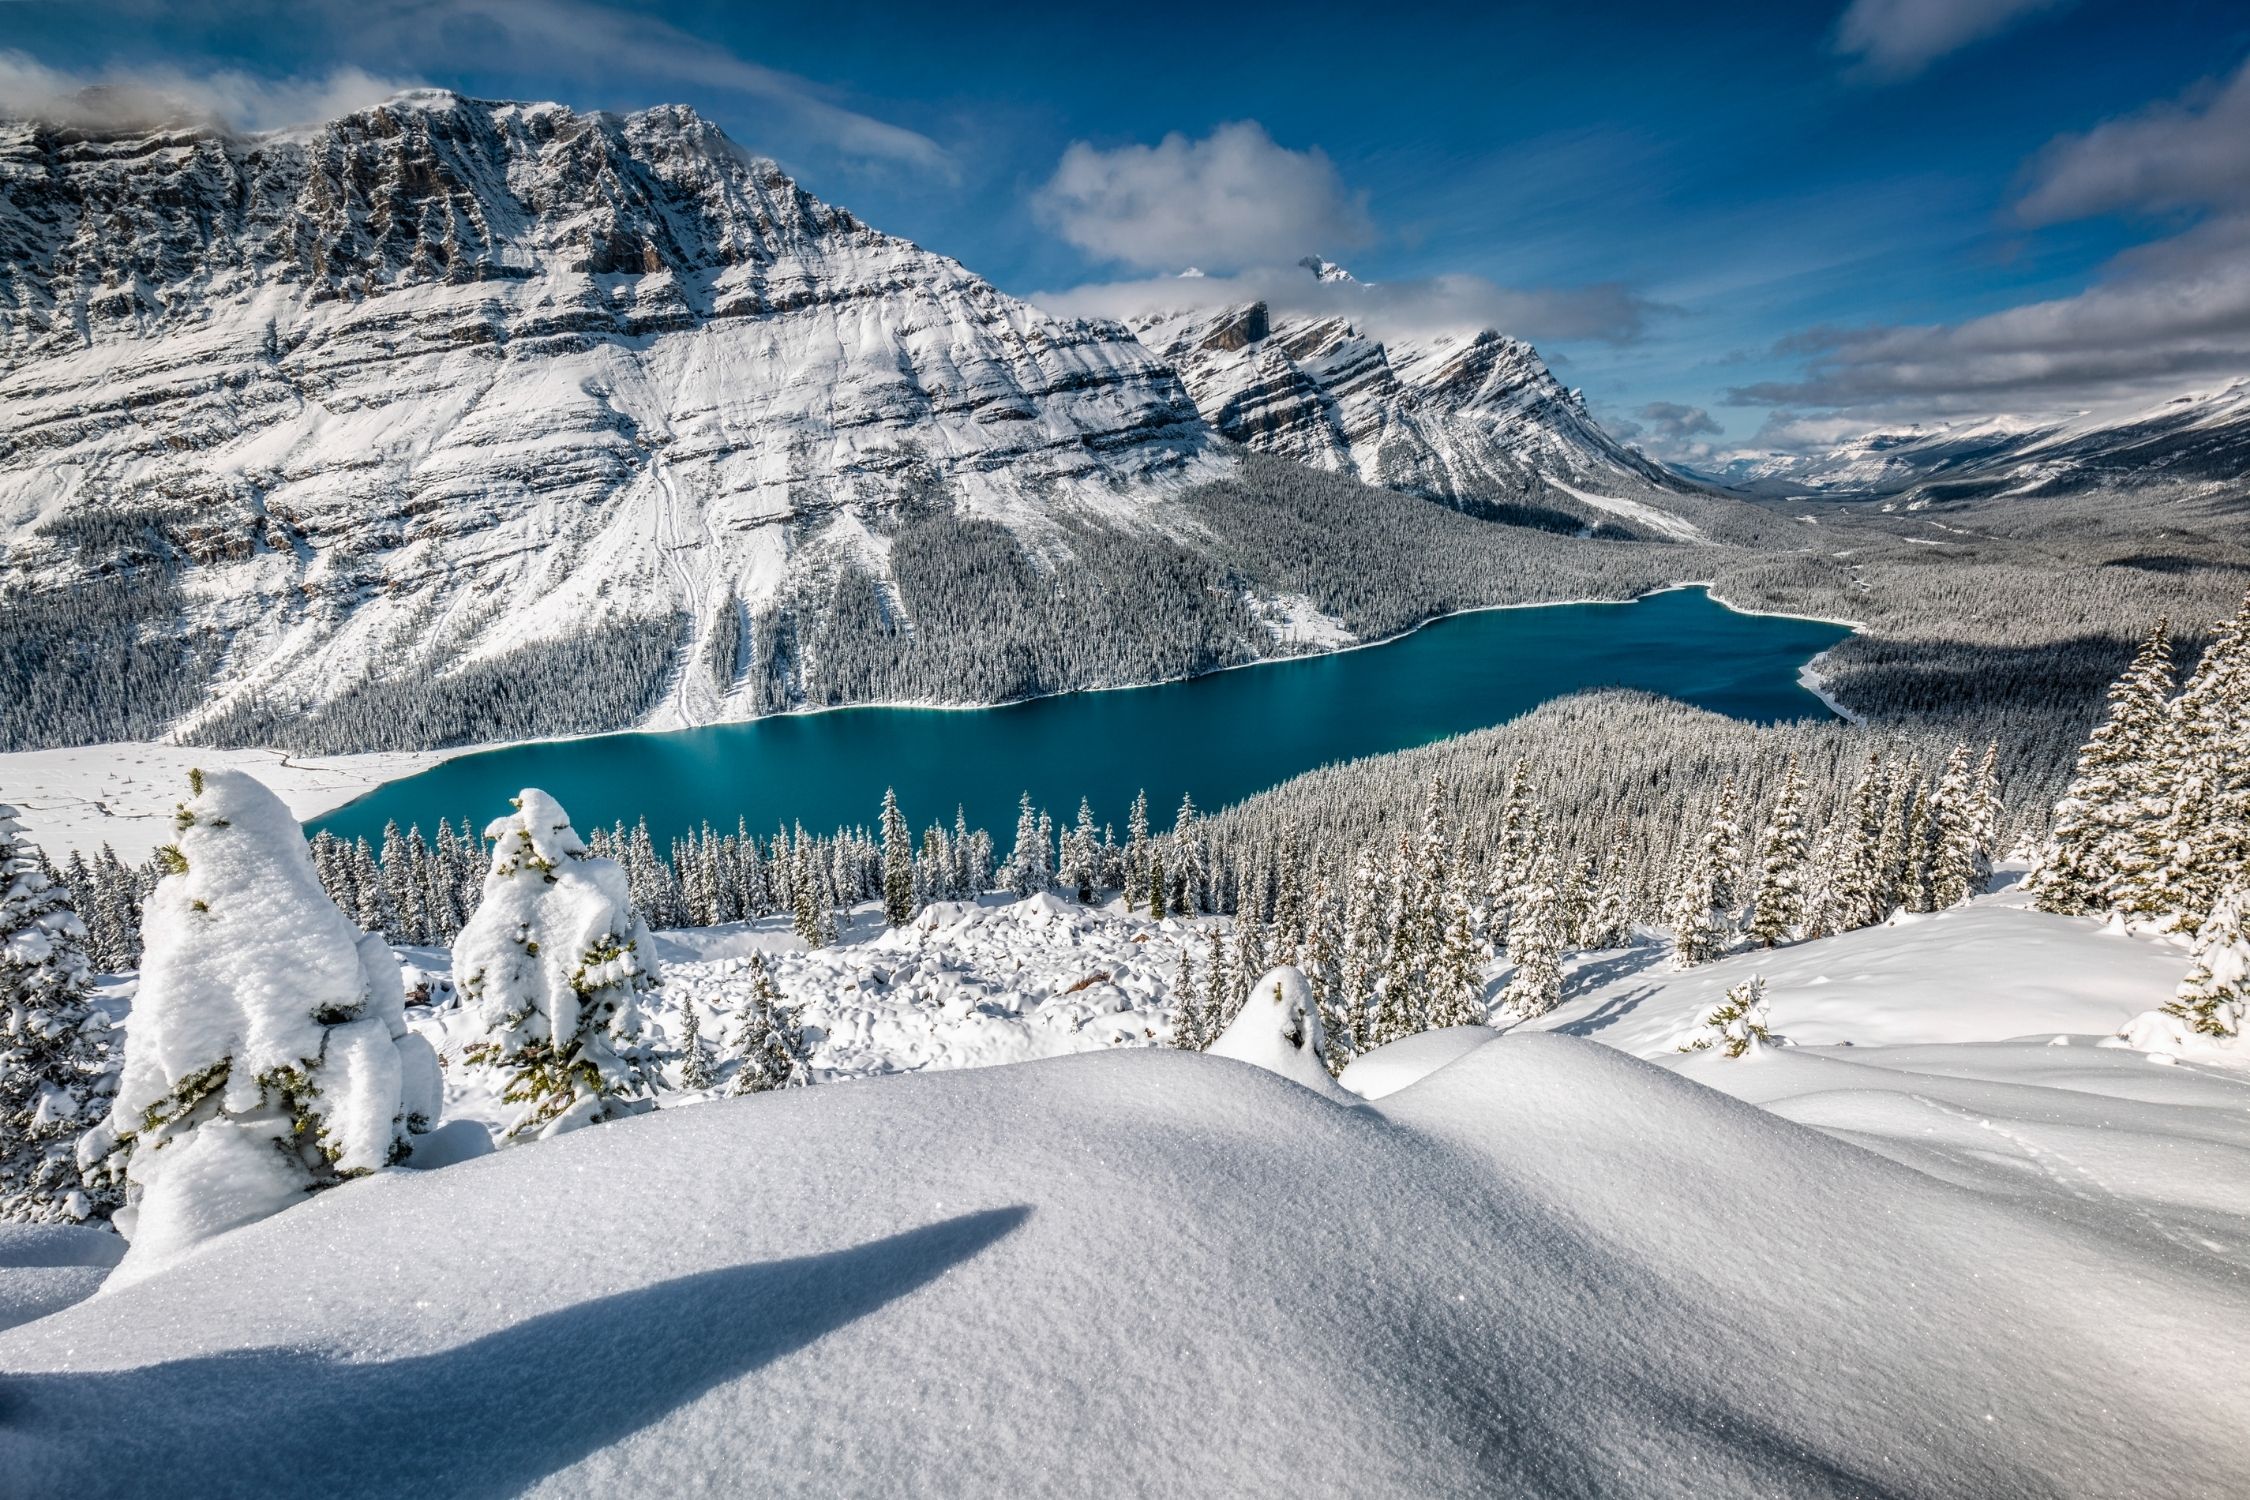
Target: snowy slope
[(446, 376), (1547, 1269), (1470, 418)]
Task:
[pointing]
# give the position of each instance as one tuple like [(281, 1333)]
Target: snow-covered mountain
[(444, 377), (1472, 418), (2201, 438)]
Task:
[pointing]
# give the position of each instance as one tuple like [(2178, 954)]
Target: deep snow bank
[(1546, 1268)]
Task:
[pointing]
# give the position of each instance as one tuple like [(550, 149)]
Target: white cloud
[(1387, 310), (2191, 152), (234, 99), (396, 40), (1233, 199), (1898, 38), (2158, 319)]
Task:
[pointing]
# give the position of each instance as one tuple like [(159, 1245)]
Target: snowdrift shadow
[(490, 1417)]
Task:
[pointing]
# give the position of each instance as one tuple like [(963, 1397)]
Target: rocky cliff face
[(1472, 419), (447, 377)]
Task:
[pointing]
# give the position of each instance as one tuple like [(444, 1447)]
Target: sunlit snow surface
[(1544, 1267)]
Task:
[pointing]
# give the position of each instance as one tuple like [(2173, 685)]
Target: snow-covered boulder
[(268, 1054), (1278, 1029)]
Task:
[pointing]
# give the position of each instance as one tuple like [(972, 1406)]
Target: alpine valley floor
[(1522, 1264)]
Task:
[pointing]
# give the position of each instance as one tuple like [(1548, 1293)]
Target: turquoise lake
[(1220, 737)]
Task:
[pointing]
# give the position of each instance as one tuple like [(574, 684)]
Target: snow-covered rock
[(1278, 1029)]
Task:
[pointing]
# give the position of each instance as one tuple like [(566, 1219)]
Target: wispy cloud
[(399, 43), (119, 96), (1894, 39), (2159, 317), (1235, 198), (1389, 310)]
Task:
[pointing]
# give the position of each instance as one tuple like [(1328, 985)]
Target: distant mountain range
[(2194, 440)]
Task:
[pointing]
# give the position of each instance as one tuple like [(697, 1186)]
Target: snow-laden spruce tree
[(1187, 1006), (1456, 972), (770, 1046), (2192, 833), (1699, 932), (552, 970), (2213, 1001), (695, 1057), (1960, 863), (1536, 939), (268, 1055), (58, 1066), (1736, 1025), (1777, 904), (2215, 996), (898, 863), (2098, 816)]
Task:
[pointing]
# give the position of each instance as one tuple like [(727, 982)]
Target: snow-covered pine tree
[(1855, 893), (58, 1062), (1081, 848), (898, 863), (770, 1045), (2078, 865), (1778, 903), (1321, 949), (1159, 887), (1043, 870), (268, 1054), (2215, 997), (695, 1057), (1359, 961), (1137, 848), (1698, 931), (1957, 861), (1535, 945), (1184, 856), (553, 969), (1736, 1025), (2194, 809), (1722, 849), (1021, 875), (1187, 1006)]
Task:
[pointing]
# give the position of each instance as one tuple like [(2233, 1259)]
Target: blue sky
[(1724, 229)]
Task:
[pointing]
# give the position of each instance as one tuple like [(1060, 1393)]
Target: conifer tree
[(553, 971), (2215, 996), (898, 863), (1359, 963), (1778, 904), (1697, 934), (1535, 945), (269, 1054), (1185, 856), (1081, 849), (1456, 971), (1958, 862), (1736, 1025), (1187, 1006), (1722, 848), (2192, 815), (695, 1057), (2077, 868), (58, 1059), (1021, 877), (1137, 851), (770, 1045), (1159, 896)]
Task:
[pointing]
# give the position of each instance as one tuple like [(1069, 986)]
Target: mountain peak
[(1326, 270)]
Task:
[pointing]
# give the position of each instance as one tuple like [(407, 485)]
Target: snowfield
[(1946, 1245)]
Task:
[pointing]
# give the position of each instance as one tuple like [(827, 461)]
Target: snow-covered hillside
[(1547, 1268), (1473, 418), (446, 377)]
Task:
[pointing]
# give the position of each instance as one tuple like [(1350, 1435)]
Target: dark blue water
[(1220, 737)]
